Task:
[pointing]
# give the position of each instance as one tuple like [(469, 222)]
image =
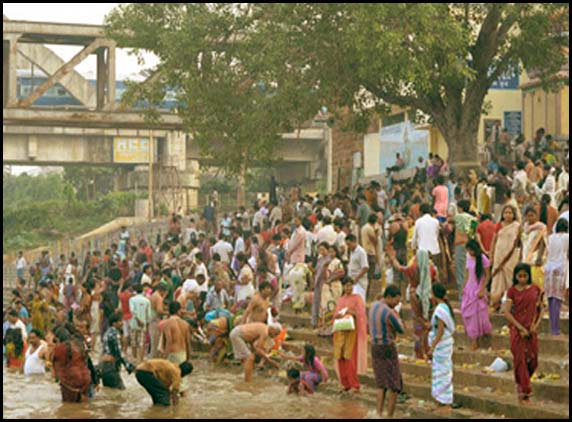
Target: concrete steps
[(476, 389), (488, 400), (548, 345)]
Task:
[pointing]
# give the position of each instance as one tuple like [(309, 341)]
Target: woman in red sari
[(523, 311), (70, 367), (350, 347)]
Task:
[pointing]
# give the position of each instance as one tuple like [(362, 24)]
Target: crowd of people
[(222, 279)]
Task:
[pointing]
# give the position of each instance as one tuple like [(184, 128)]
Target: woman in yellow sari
[(534, 246), (39, 308), (506, 253)]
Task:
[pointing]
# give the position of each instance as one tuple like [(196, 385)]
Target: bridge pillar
[(9, 69)]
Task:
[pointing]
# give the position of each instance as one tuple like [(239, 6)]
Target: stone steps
[(475, 389), (488, 400), (498, 320), (548, 345), (556, 391)]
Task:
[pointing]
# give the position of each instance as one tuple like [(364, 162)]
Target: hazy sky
[(89, 13)]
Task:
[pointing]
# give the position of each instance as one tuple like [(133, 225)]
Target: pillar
[(9, 70)]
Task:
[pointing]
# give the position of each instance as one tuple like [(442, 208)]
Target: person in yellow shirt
[(162, 379)]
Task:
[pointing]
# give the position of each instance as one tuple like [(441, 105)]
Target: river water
[(214, 393)]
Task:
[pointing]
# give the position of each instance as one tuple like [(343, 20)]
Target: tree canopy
[(246, 72), (206, 58)]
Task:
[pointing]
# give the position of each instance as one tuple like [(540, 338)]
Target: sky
[(88, 13)]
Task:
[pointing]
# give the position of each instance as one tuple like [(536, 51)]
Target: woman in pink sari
[(474, 306), (350, 347)]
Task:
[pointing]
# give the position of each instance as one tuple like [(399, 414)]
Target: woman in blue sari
[(441, 340)]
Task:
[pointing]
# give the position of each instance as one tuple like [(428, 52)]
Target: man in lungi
[(384, 323)]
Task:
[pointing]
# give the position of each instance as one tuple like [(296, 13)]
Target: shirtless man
[(157, 313), (186, 300), (175, 341), (258, 306), (253, 335)]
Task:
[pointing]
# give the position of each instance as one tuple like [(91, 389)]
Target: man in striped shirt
[(384, 323)]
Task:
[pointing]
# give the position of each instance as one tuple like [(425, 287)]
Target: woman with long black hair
[(70, 366), (474, 306)]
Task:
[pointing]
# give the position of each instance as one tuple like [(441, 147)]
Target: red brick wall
[(344, 146)]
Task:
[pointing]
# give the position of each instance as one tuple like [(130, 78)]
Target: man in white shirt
[(426, 235), (358, 266), (563, 181), (238, 247), (147, 272), (340, 242), (327, 233), (259, 218), (21, 265), (16, 322), (381, 197), (275, 214), (224, 249), (201, 268), (520, 183), (549, 185)]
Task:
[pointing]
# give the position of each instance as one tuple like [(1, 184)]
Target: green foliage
[(24, 189), (245, 72), (35, 223), (207, 58), (439, 58), (87, 183)]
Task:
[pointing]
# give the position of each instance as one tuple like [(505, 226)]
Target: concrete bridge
[(101, 131)]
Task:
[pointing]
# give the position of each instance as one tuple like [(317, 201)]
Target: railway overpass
[(100, 132)]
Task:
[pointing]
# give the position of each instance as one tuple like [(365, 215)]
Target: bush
[(35, 224)]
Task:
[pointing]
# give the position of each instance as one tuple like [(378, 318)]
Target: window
[(394, 119)]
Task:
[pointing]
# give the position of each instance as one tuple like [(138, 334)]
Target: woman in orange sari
[(350, 347)]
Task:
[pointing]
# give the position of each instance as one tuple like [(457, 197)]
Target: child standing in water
[(315, 372)]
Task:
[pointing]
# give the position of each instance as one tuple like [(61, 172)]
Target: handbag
[(346, 323)]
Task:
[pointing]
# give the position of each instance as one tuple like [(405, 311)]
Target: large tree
[(438, 58), (207, 59)]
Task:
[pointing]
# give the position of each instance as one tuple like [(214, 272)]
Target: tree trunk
[(463, 147), (241, 187)]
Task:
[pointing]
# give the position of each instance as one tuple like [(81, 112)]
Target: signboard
[(513, 122), (506, 82), (130, 150), (404, 139)]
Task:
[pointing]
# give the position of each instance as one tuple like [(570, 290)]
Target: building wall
[(344, 145), (500, 101), (547, 110)]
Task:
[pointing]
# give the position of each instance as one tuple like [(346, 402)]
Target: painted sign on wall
[(506, 81), (404, 139), (130, 150)]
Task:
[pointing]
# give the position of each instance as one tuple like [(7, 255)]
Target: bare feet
[(443, 410), (474, 346)]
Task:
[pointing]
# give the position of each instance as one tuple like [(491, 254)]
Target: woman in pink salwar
[(474, 307)]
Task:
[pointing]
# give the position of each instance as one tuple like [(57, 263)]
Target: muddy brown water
[(214, 393)]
